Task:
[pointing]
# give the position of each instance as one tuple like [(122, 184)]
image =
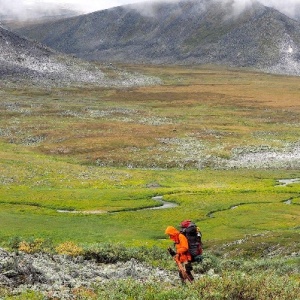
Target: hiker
[(182, 256)]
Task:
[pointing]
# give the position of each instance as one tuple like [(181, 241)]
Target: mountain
[(190, 31), (22, 60)]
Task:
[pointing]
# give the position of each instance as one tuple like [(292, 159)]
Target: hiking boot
[(190, 275)]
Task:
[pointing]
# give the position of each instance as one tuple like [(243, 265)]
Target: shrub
[(69, 248), (3, 292), (84, 293), (209, 262), (229, 286), (27, 295), (14, 243), (34, 245), (112, 253), (107, 253)]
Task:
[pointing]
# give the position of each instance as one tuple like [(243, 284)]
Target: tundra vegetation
[(80, 165)]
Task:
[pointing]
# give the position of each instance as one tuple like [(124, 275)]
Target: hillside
[(22, 60), (185, 32)]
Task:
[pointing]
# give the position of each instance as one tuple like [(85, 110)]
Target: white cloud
[(288, 6), (10, 6), (85, 5)]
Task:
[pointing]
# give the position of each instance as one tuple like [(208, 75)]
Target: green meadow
[(48, 197), (106, 152), (84, 164)]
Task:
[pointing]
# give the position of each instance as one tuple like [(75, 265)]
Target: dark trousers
[(188, 268)]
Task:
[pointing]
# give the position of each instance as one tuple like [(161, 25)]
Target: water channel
[(166, 204)]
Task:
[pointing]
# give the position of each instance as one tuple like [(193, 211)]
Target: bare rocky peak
[(184, 32)]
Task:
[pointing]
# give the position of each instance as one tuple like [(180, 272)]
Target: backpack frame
[(194, 237)]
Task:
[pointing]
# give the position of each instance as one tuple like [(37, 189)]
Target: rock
[(59, 274)]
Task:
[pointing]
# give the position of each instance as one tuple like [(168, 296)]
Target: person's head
[(172, 232)]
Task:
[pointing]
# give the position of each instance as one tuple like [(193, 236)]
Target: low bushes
[(216, 277), (229, 286)]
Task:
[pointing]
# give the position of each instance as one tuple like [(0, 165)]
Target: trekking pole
[(182, 270), (180, 266)]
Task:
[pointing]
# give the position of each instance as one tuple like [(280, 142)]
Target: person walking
[(182, 256)]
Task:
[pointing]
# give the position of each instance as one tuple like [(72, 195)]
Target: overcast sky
[(89, 5), (92, 5), (83, 5), (286, 6)]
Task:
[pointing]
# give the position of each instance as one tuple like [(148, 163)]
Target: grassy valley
[(82, 164)]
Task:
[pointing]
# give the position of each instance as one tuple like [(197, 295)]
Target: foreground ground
[(115, 272)]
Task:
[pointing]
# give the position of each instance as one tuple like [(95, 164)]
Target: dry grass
[(216, 109)]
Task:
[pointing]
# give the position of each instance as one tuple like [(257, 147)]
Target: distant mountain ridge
[(184, 32), (21, 59), (25, 61)]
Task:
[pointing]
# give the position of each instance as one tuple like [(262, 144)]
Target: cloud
[(18, 7), (11, 7), (289, 7)]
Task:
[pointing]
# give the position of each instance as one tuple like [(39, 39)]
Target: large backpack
[(194, 237)]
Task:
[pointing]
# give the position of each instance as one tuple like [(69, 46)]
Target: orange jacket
[(181, 243)]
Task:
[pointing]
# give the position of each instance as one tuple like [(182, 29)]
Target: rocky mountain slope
[(190, 31), (22, 60)]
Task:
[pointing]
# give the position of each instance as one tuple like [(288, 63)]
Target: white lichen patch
[(264, 157)]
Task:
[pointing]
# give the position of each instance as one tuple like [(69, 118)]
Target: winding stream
[(282, 182), (165, 204), (285, 182)]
